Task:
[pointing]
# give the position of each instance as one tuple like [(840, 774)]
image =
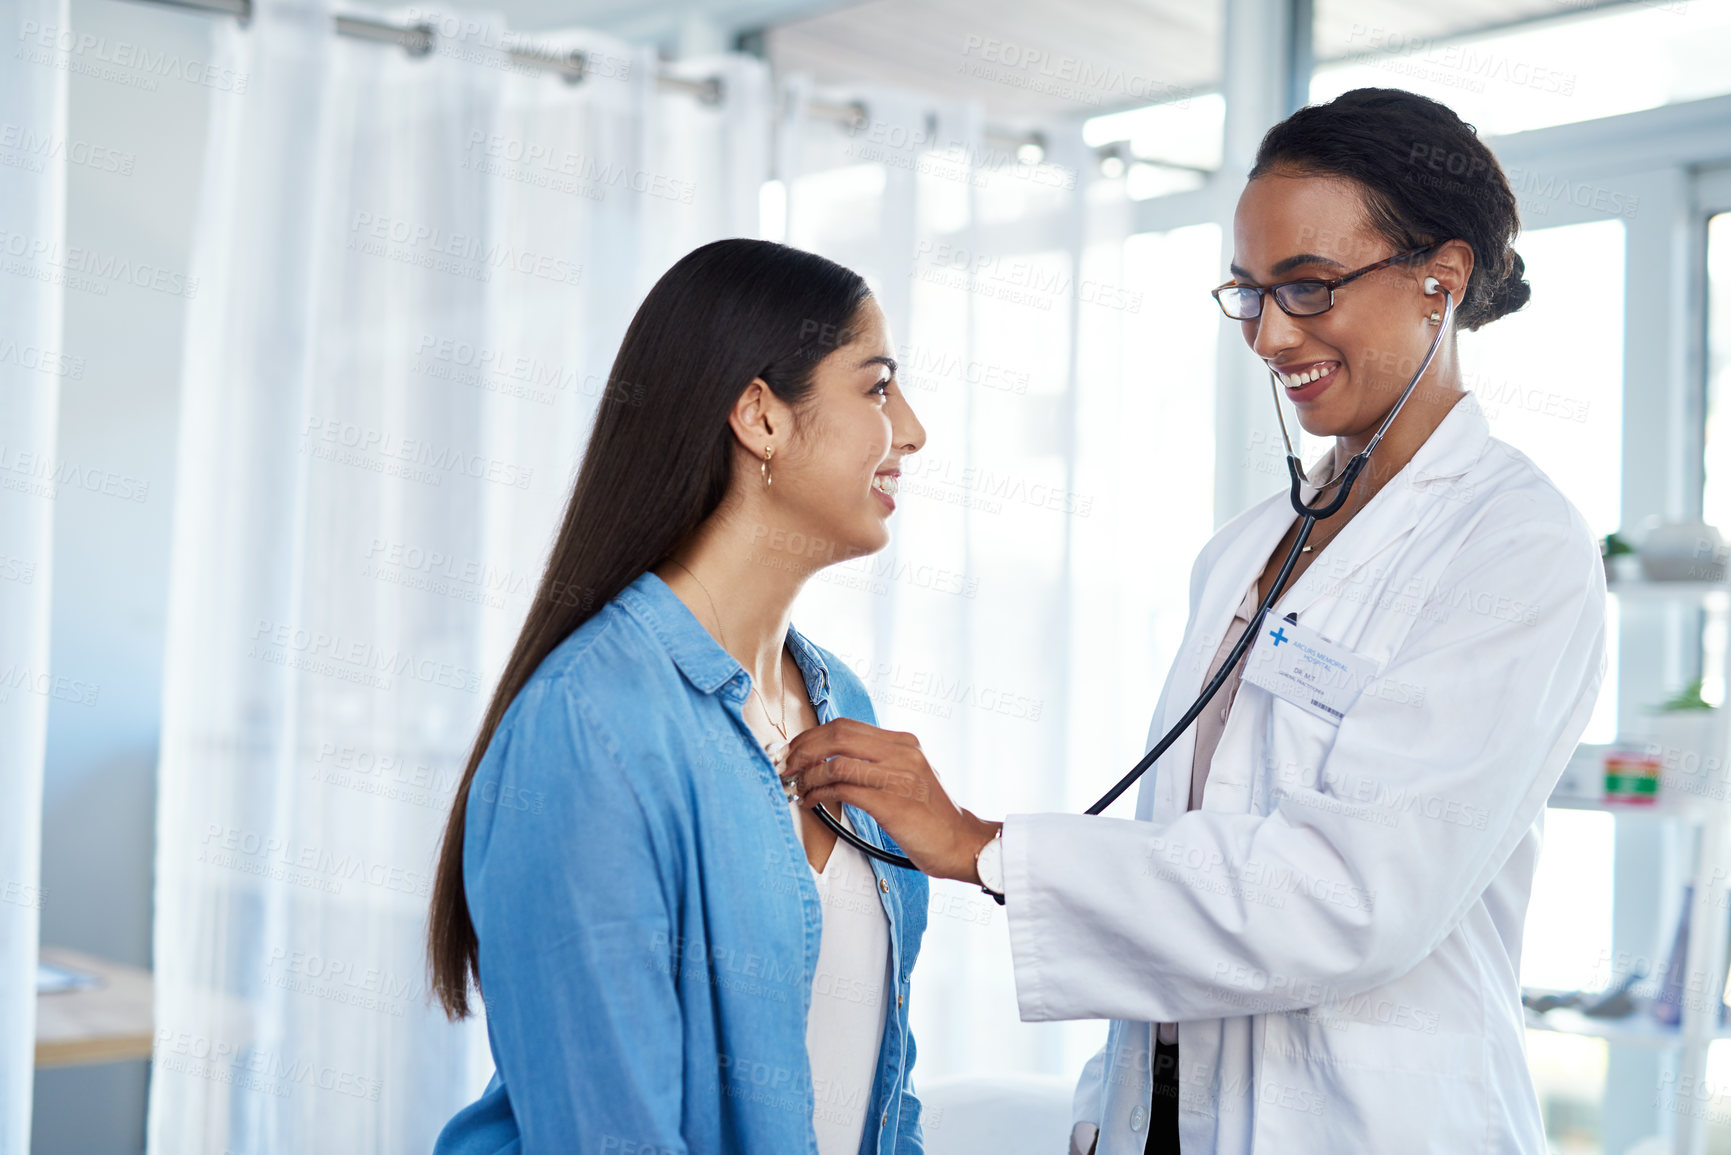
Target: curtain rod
[(418, 39)]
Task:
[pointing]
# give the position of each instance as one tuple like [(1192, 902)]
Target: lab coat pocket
[(1295, 751), (1340, 1075)]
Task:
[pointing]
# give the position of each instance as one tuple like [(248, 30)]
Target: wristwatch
[(989, 865)]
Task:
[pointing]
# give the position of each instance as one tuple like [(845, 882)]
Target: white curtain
[(32, 237), (1023, 618), (413, 276)]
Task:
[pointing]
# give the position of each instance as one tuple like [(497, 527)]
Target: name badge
[(1299, 665)]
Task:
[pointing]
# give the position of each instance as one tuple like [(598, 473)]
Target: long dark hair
[(1426, 177), (658, 463)]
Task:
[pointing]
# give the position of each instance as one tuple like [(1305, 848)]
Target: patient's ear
[(758, 417)]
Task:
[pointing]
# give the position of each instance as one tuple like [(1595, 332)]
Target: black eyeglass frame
[(1331, 285)]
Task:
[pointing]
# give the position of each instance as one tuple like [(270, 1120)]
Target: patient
[(672, 955)]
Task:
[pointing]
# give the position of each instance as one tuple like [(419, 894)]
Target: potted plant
[(1621, 561), (1684, 727), (1683, 551)]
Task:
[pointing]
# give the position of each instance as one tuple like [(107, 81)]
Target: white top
[(848, 995)]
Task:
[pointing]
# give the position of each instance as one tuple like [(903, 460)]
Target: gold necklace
[(1320, 544), (781, 727)]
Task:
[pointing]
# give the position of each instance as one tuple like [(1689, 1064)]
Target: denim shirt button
[(884, 885)]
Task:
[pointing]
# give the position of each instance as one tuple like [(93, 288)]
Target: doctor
[(1309, 939)]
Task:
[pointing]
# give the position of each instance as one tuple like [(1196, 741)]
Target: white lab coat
[(1337, 929)]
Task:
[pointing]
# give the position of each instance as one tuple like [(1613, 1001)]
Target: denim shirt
[(647, 919)]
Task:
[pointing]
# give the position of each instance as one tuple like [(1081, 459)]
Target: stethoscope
[(1310, 517)]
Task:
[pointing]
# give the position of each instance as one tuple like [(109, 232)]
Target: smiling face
[(834, 482), (1350, 363)]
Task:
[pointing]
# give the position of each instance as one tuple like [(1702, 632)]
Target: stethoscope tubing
[(1310, 516)]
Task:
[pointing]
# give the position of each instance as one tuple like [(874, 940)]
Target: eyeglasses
[(1304, 298)]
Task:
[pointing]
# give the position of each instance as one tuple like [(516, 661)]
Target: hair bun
[(1510, 293)]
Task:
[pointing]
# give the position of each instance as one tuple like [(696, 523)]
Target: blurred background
[(304, 312)]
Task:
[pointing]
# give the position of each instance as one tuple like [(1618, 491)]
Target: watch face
[(991, 866)]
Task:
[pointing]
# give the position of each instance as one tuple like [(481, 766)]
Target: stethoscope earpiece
[(1431, 286)]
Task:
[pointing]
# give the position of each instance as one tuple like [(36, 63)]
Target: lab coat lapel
[(1457, 442), (1384, 521)]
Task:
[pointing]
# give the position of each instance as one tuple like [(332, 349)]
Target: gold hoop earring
[(767, 450)]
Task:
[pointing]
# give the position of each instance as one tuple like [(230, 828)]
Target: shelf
[(1586, 765), (1660, 591), (1656, 809), (1638, 1029)]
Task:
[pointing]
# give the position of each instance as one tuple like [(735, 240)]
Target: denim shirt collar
[(703, 661)]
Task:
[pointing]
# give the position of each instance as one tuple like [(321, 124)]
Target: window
[(1602, 63), (1159, 149), (1567, 417), (1568, 420), (1716, 490)]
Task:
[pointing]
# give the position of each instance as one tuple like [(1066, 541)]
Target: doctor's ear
[(1448, 268)]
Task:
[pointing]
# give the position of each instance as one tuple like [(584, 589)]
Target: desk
[(102, 1024)]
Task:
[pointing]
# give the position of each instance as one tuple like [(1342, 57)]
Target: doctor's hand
[(884, 773)]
